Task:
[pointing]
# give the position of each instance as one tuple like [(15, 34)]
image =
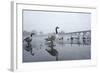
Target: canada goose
[(56, 29), (29, 45)]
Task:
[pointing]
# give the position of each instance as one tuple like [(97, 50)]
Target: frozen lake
[(66, 51)]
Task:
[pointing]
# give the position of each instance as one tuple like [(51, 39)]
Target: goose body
[(28, 40)]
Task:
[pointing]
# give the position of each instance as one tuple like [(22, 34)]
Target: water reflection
[(50, 43), (57, 47)]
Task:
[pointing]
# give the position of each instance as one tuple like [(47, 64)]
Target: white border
[(16, 59)]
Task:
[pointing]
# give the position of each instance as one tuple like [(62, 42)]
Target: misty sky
[(47, 21)]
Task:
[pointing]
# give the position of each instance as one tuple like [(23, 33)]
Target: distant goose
[(56, 29), (57, 36)]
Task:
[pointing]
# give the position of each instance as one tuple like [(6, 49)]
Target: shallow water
[(66, 51)]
